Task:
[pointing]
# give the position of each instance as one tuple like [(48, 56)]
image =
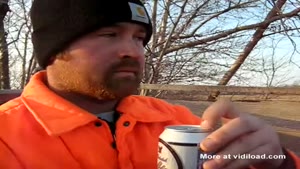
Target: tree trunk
[(4, 60), (257, 36), (32, 69)]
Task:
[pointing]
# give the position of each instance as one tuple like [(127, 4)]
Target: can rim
[(188, 128)]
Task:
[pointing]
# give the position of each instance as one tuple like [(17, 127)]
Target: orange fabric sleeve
[(7, 158), (295, 158), (186, 116)]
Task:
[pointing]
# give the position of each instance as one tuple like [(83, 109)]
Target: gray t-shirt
[(108, 116)]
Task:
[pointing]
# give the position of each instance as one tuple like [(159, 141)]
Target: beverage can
[(178, 147)]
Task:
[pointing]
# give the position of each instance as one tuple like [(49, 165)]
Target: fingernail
[(207, 144), (211, 164)]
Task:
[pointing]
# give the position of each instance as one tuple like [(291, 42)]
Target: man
[(80, 113)]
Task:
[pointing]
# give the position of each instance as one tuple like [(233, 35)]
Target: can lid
[(188, 128)]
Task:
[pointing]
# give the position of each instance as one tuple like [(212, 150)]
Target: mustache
[(126, 62)]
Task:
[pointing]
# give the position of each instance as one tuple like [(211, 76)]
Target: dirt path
[(283, 116)]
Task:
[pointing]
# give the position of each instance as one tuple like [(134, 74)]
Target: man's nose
[(130, 48)]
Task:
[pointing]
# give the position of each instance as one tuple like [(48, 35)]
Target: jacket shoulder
[(10, 120), (9, 112), (10, 106), (179, 112)]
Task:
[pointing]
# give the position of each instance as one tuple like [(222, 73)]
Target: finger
[(230, 131), (242, 145), (213, 114), (253, 159)]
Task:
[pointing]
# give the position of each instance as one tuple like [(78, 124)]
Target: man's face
[(105, 64)]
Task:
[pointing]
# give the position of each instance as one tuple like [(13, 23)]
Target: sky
[(278, 46)]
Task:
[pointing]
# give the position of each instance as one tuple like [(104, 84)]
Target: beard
[(119, 87), (105, 85), (122, 86), (115, 87)]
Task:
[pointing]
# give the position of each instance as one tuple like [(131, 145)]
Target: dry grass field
[(282, 115)]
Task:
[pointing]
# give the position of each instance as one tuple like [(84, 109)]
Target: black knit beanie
[(57, 23)]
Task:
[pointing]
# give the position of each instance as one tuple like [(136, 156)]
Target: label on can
[(178, 148), (167, 156), (200, 160)]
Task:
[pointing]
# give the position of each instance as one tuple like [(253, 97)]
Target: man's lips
[(127, 69)]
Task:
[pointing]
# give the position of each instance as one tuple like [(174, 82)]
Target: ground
[(283, 116)]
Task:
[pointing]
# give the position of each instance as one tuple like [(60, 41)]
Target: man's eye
[(107, 34), (140, 38)]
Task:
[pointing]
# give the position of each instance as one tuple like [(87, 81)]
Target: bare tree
[(203, 41), (193, 42), (4, 68), (271, 68), (21, 60), (257, 36)]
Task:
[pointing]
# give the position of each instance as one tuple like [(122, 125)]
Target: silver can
[(178, 147)]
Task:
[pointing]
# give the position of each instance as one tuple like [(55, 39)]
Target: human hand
[(240, 133)]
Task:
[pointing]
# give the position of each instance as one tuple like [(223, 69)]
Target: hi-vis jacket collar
[(57, 115)]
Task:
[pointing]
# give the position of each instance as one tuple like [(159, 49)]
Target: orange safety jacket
[(40, 130)]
